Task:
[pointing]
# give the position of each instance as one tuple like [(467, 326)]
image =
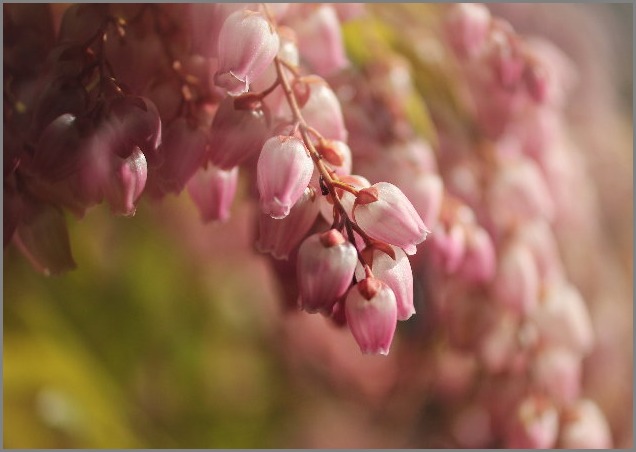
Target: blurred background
[(171, 334)]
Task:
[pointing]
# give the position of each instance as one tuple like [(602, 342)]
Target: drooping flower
[(283, 172), (247, 44), (212, 189), (386, 214), (371, 312), (326, 262)]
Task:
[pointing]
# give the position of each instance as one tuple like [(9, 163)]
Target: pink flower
[(516, 284), (386, 214), (283, 172), (557, 371), (480, 260), (280, 236), (123, 188), (535, 424), (467, 26), (371, 312), (236, 135), (320, 41), (247, 45), (562, 318), (212, 189), (322, 110), (397, 274), (585, 427), (326, 262)]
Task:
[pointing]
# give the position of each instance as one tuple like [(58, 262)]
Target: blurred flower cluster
[(454, 167)]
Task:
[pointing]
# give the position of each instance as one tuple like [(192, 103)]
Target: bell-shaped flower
[(534, 425), (280, 237), (283, 172), (247, 44), (205, 22), (425, 191), (397, 274), (320, 41), (325, 266), (516, 283), (557, 371), (182, 152), (124, 187), (137, 122), (236, 135), (371, 312), (448, 246), (212, 189), (480, 258), (386, 214), (562, 318), (585, 427), (467, 26), (337, 154), (322, 110)]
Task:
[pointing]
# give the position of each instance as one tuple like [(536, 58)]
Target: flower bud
[(557, 371), (516, 284), (585, 427), (322, 110), (280, 237), (467, 26), (283, 172), (247, 45), (320, 41), (212, 189), (534, 425), (236, 135), (125, 185), (562, 318), (391, 218), (137, 123), (182, 152), (371, 312), (397, 274), (480, 260), (326, 262)]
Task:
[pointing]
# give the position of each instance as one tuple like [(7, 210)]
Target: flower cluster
[(115, 102)]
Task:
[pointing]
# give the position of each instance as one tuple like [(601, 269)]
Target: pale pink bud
[(320, 41), (123, 188), (467, 26), (539, 238), (212, 189), (397, 274), (371, 312), (505, 56), (516, 284), (496, 348), (182, 151), (557, 371), (390, 217), (323, 110), (236, 134), (562, 318), (425, 190), (283, 172), (280, 237), (206, 20), (326, 262), (480, 260), (534, 425), (448, 246), (520, 193), (247, 45), (585, 427)]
